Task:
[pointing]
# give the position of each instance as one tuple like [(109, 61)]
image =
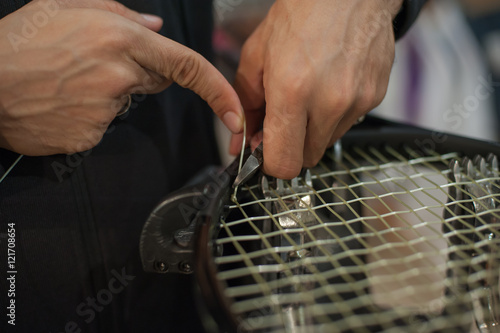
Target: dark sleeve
[(8, 6), (407, 16)]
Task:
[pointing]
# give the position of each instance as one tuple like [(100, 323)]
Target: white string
[(11, 167), (242, 154), (399, 204)]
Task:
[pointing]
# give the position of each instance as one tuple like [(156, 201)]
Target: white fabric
[(454, 96)]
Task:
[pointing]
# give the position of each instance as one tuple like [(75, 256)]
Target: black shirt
[(78, 218)]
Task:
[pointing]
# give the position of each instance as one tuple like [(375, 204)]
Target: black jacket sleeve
[(7, 7), (407, 16)]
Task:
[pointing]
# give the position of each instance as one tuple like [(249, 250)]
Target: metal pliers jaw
[(250, 167)]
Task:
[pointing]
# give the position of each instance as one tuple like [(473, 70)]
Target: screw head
[(161, 267), (185, 267)]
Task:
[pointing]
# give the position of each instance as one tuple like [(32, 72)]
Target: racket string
[(377, 234)]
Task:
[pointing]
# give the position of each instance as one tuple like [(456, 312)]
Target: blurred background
[(446, 76)]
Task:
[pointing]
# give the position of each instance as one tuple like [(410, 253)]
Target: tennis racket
[(395, 230)]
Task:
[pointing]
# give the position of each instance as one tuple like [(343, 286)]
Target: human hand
[(308, 72), (62, 84)]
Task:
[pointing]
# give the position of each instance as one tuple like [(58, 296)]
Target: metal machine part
[(167, 239), (250, 167), (486, 298), (474, 185), (304, 255), (293, 207)]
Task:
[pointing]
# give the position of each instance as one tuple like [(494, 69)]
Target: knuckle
[(282, 169), (50, 144), (57, 143), (103, 44), (251, 50), (368, 98), (311, 162), (78, 147), (313, 156), (248, 50), (341, 102), (103, 121), (117, 37), (296, 84), (215, 97), (380, 95), (107, 118), (276, 129), (102, 18), (317, 149), (120, 80), (186, 69), (281, 162), (98, 120), (331, 142), (343, 97), (120, 73), (88, 140), (81, 138), (115, 7)]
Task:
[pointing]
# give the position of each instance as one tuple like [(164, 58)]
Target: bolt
[(185, 267), (161, 267)]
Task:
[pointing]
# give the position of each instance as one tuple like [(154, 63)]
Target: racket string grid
[(377, 240)]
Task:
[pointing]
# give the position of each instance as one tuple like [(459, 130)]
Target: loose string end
[(242, 154)]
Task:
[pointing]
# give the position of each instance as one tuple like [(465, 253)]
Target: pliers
[(250, 167)]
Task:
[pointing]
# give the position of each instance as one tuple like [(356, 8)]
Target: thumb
[(190, 70)]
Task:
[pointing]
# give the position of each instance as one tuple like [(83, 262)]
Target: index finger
[(285, 126), (190, 70)]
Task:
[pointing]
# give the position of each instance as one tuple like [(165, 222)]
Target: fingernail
[(233, 122), (152, 18)]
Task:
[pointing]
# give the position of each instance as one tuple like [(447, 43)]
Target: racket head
[(355, 310)]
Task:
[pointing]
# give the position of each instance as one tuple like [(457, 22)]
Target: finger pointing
[(190, 70)]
